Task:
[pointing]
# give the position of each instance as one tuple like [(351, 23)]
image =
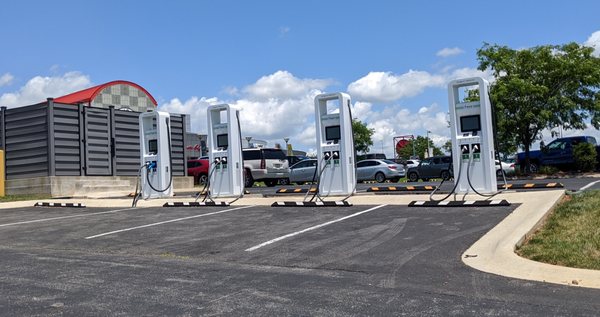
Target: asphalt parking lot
[(256, 260)]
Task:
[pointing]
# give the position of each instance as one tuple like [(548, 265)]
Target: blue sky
[(270, 58)]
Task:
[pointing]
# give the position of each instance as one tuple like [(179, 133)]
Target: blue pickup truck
[(557, 153)]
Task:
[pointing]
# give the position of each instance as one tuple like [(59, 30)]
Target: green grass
[(9, 198), (571, 235)]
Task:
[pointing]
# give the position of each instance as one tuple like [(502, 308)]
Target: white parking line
[(588, 186), (67, 217), (163, 222), (311, 228)]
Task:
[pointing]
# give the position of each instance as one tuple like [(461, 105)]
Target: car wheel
[(248, 180), (202, 179), (379, 177), (271, 183), (445, 175), (413, 177), (284, 181), (533, 167)]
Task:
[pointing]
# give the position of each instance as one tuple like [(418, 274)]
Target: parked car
[(303, 171), (379, 170), (557, 153), (411, 163), (267, 165), (293, 159), (507, 168), (432, 167), (199, 169)]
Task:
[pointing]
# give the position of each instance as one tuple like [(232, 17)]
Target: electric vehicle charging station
[(471, 129), (226, 177), (335, 152), (335, 145), (155, 155)]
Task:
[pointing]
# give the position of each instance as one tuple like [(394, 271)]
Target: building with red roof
[(123, 95)]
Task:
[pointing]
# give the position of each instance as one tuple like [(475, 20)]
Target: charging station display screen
[(153, 146), (332, 133), (470, 123), (222, 141)]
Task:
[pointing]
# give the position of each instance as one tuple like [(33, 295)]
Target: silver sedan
[(379, 170)]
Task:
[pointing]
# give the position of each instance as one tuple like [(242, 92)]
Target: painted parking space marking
[(68, 217), (164, 222), (258, 246), (589, 185)]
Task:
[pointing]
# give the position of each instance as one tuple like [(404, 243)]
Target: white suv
[(267, 165)]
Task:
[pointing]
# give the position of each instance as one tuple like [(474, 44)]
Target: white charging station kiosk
[(155, 155), (472, 138), (335, 145), (225, 152)]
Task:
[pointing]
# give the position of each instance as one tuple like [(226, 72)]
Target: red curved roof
[(87, 95)]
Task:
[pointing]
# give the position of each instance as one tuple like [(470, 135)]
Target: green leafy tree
[(585, 156), (420, 148), (447, 146), (362, 136), (541, 87)]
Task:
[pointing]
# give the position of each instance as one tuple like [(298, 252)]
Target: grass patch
[(9, 198), (571, 235)]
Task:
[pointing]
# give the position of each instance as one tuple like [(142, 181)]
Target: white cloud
[(594, 41), (283, 85), (275, 106), (449, 51), (396, 120), (386, 86), (284, 30), (39, 88), (6, 79)]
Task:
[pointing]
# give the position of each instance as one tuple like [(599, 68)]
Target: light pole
[(248, 138), (428, 150), (287, 150)]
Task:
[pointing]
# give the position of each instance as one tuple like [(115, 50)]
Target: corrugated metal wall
[(81, 141), (66, 140), (26, 135), (127, 142)]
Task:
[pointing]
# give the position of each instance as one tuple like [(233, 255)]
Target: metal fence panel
[(127, 142), (26, 134), (98, 156), (177, 145), (66, 140)]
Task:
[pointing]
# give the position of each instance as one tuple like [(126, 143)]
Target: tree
[(420, 148), (541, 88), (362, 136), (447, 146)]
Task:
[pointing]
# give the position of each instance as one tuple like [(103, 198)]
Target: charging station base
[(460, 203), (197, 204), (311, 204)]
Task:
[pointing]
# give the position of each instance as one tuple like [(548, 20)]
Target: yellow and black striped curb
[(531, 186), (464, 203), (71, 205), (400, 188), (295, 190), (311, 204), (197, 204)]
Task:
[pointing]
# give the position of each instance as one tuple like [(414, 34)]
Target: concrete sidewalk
[(493, 253)]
